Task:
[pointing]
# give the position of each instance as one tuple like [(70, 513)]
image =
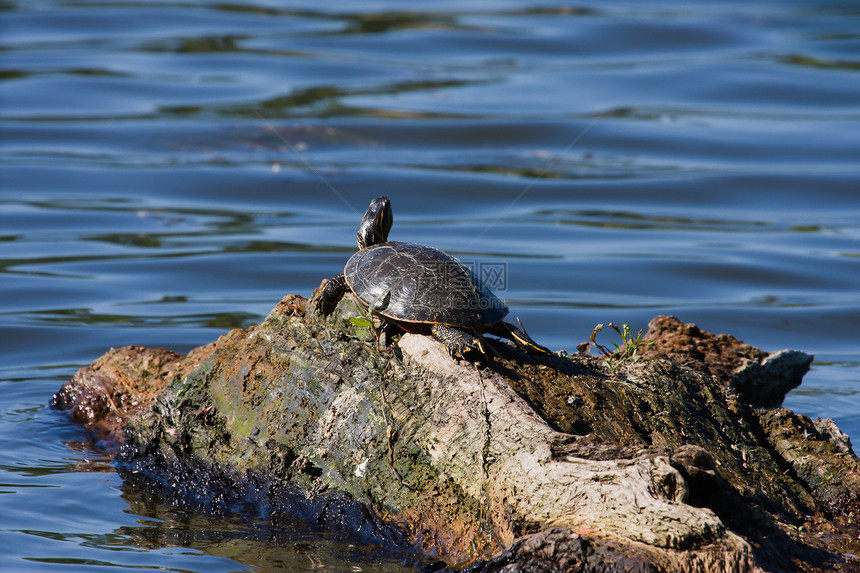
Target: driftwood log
[(682, 462)]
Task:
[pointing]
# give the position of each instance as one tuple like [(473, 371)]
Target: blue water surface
[(169, 171)]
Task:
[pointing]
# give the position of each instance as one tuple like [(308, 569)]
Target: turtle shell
[(417, 283)]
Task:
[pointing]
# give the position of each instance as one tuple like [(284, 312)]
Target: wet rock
[(104, 395), (519, 464)]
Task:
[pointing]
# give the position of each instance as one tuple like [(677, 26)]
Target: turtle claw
[(458, 343)]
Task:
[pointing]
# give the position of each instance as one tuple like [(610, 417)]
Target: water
[(170, 171)]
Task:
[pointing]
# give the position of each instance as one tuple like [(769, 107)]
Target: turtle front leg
[(457, 342), (520, 338), (327, 300)]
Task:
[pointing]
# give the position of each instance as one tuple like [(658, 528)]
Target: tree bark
[(519, 464)]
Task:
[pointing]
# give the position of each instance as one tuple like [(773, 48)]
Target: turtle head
[(376, 223)]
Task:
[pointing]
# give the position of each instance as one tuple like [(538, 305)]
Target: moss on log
[(670, 464)]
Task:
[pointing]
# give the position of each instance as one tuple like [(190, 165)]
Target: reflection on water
[(170, 171), (285, 543)]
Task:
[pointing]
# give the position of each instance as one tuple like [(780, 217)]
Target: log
[(518, 464)]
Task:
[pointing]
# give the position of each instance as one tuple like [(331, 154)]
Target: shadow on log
[(683, 462)]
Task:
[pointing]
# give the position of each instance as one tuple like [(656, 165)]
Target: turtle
[(421, 289)]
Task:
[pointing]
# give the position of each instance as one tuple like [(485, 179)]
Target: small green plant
[(627, 351), (361, 320), (367, 319)]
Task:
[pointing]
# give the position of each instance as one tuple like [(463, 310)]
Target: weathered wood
[(515, 464), (759, 378)]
